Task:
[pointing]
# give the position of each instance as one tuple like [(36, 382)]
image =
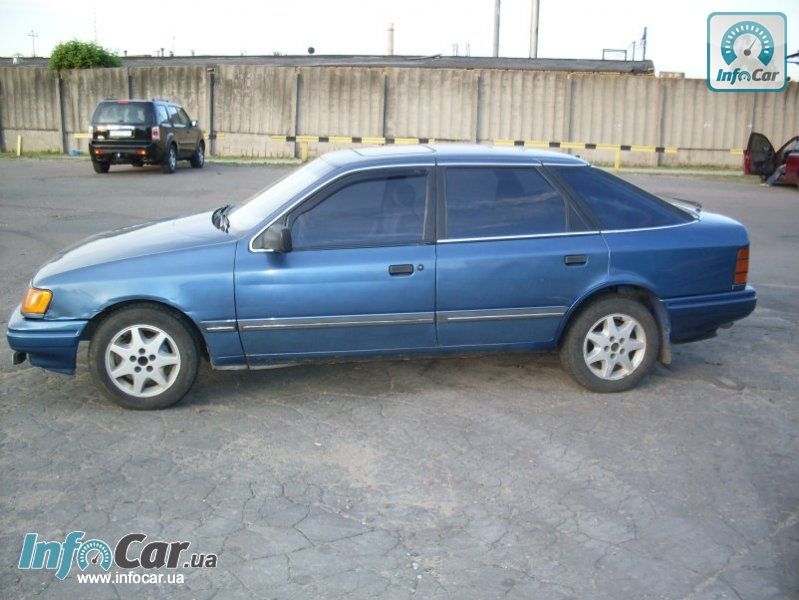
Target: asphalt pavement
[(478, 477)]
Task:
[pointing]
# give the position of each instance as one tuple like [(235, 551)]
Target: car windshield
[(267, 201), (127, 113)]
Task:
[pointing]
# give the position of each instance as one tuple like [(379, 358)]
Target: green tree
[(82, 55)]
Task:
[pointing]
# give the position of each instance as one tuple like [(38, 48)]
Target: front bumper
[(116, 153), (694, 317), (51, 345)]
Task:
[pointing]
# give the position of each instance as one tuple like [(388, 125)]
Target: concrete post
[(19, 145), (59, 94)]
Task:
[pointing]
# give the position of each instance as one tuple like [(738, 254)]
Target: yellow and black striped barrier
[(304, 140)]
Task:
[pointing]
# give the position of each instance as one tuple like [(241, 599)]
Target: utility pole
[(33, 35), (496, 28), (536, 4), (643, 45)]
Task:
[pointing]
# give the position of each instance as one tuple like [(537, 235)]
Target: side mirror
[(276, 238), (195, 123)]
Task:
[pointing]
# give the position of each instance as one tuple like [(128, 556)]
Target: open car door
[(759, 156)]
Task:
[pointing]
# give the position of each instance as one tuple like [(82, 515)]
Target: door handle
[(575, 259), (400, 270)]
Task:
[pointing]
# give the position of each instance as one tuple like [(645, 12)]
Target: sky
[(568, 28)]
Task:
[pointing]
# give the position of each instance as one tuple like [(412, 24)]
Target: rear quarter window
[(617, 204)]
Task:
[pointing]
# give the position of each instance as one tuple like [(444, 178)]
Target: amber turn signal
[(36, 301), (741, 266)]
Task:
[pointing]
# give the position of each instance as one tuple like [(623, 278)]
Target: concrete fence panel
[(29, 107), (81, 90), (431, 103), (186, 86), (523, 105)]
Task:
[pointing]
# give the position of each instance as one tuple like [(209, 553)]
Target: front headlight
[(36, 302)]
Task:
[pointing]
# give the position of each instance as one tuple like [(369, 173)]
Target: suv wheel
[(170, 160), (198, 158), (611, 345), (144, 357), (101, 167)]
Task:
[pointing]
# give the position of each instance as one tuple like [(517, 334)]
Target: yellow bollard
[(304, 151), (19, 145), (617, 162)]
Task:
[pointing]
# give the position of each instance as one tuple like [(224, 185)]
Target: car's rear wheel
[(144, 357), (170, 160), (198, 158), (611, 344), (100, 167)]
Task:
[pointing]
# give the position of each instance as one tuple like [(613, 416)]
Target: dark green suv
[(144, 132)]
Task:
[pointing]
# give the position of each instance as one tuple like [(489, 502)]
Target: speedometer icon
[(744, 39)]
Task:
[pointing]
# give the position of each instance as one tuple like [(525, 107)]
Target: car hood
[(136, 241)]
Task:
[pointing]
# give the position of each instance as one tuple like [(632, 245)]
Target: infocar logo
[(746, 52), (130, 552)]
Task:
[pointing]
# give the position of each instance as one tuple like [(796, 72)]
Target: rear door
[(513, 255), (759, 157), (179, 128), (122, 123)]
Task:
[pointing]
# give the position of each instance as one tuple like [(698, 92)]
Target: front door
[(513, 256), (759, 155), (359, 280)]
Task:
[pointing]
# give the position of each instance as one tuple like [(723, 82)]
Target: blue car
[(400, 250)]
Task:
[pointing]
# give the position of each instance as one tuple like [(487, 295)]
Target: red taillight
[(156, 133), (741, 266)]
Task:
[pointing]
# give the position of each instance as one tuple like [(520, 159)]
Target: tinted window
[(160, 112), (173, 115), (127, 113), (383, 210), (618, 204), (491, 202), (184, 118)]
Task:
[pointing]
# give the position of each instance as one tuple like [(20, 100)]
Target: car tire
[(101, 167), (611, 344), (198, 158), (170, 160), (144, 357)]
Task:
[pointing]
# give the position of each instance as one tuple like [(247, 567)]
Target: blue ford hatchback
[(403, 250)]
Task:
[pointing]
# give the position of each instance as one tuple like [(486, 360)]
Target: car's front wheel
[(198, 158), (144, 357), (611, 344), (170, 160)]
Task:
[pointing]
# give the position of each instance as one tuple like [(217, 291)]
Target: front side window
[(380, 210), (617, 204), (184, 118), (500, 202)]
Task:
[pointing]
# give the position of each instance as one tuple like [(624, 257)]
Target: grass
[(37, 154)]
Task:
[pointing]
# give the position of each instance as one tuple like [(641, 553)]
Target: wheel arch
[(635, 291), (94, 322)]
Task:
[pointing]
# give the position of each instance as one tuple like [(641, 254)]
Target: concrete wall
[(250, 104)]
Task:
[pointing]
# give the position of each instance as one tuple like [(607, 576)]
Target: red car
[(761, 159)]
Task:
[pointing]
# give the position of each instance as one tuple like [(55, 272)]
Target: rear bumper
[(128, 152), (48, 344), (694, 317)]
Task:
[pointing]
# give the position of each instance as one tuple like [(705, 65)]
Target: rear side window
[(123, 113), (501, 201), (617, 204), (382, 210), (161, 115)]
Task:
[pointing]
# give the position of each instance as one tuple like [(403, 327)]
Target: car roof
[(130, 100), (447, 154)]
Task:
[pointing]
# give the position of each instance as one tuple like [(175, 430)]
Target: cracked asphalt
[(478, 477)]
